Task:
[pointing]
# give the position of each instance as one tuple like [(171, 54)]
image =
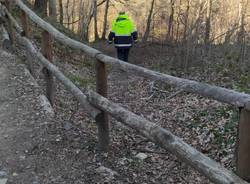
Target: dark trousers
[(122, 53)]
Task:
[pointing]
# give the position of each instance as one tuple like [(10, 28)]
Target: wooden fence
[(97, 106)]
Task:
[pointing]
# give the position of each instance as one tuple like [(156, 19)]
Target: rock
[(107, 173), (3, 181), (141, 156), (48, 109), (14, 174)]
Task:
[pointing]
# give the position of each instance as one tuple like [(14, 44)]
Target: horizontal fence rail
[(97, 106)]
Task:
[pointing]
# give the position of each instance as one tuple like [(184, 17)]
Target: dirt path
[(21, 114)]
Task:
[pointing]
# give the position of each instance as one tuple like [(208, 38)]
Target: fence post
[(26, 33), (10, 26), (47, 52), (102, 119), (243, 147), (25, 24)]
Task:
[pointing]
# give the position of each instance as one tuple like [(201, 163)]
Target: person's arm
[(112, 34), (134, 32), (135, 36), (111, 37)]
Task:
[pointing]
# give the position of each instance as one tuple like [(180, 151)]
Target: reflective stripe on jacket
[(123, 32)]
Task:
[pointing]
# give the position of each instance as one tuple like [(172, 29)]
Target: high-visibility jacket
[(123, 32)]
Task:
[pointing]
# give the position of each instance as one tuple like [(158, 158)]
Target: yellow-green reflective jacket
[(123, 32)]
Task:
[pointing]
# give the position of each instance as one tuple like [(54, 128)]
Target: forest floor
[(208, 125), (66, 151)]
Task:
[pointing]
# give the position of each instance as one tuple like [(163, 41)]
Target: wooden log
[(243, 147), (47, 52), (102, 120), (5, 39), (76, 92), (208, 167), (205, 90)]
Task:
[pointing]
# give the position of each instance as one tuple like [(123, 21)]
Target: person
[(123, 34)]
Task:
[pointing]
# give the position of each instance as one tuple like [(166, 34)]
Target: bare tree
[(241, 22), (60, 11), (105, 20), (85, 14), (208, 23), (41, 6), (52, 9), (241, 33), (73, 15), (95, 20), (68, 14), (186, 21), (171, 21), (149, 19)]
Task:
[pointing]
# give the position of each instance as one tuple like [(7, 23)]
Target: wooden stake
[(243, 147), (25, 24), (47, 51), (26, 33), (102, 119)]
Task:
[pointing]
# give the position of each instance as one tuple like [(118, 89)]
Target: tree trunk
[(178, 22), (61, 12), (208, 23), (186, 21), (73, 15), (85, 15), (241, 22), (80, 23), (95, 20), (52, 9), (105, 20), (170, 22), (145, 37), (68, 14), (187, 38), (241, 33), (41, 6)]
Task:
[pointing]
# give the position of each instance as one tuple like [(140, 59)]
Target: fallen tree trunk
[(208, 167), (220, 94), (77, 93)]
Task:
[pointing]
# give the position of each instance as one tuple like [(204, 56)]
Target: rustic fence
[(97, 106)]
